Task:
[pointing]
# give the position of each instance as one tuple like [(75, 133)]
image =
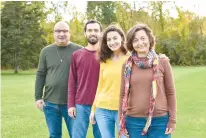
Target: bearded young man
[(83, 81)]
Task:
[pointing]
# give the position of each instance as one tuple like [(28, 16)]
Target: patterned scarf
[(151, 62)]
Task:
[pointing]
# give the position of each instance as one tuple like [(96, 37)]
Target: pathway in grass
[(20, 117)]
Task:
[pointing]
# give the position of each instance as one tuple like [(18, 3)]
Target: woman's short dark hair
[(131, 35), (105, 52), (90, 22)]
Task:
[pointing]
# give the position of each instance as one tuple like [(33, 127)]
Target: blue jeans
[(106, 120), (135, 125), (81, 122), (53, 114)]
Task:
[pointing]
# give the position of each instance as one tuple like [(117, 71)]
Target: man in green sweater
[(52, 76)]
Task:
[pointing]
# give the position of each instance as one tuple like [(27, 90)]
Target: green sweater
[(52, 74)]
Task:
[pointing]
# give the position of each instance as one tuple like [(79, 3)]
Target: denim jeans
[(106, 120), (81, 122), (135, 125), (53, 114)]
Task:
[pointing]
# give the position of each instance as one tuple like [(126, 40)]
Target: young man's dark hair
[(92, 21)]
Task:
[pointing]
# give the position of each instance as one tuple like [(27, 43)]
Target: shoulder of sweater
[(125, 58), (48, 47), (78, 52), (53, 45), (163, 64), (164, 61), (76, 46), (109, 61), (124, 63)]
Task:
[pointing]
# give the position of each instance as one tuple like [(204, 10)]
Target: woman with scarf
[(112, 55), (147, 107)]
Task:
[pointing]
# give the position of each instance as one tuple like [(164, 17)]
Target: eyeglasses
[(59, 31)]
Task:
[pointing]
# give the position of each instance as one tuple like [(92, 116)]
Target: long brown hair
[(104, 52)]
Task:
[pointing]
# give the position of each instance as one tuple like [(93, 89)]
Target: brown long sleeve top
[(140, 90)]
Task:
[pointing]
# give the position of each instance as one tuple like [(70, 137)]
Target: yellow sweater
[(108, 91)]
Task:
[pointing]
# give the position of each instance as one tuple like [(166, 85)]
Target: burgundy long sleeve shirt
[(83, 78)]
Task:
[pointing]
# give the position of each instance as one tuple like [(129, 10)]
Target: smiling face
[(61, 34), (140, 39), (92, 33), (114, 40), (141, 43)]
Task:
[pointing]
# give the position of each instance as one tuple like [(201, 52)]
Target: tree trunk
[(16, 69), (16, 65)]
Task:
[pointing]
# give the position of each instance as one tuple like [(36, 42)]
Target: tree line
[(25, 28)]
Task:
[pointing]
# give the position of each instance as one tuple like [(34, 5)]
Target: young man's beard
[(93, 42)]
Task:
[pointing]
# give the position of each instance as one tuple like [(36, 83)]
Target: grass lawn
[(21, 118)]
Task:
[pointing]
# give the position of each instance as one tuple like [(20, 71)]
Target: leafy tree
[(21, 34), (76, 24), (103, 11)]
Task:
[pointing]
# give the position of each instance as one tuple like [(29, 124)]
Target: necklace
[(61, 58)]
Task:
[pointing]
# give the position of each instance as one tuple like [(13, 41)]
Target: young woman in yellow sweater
[(112, 55)]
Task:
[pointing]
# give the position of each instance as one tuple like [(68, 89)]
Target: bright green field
[(21, 118)]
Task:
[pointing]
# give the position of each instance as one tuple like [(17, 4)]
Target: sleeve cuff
[(171, 124)]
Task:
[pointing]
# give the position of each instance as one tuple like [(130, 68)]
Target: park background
[(27, 27)]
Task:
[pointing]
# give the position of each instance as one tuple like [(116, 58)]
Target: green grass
[(21, 118)]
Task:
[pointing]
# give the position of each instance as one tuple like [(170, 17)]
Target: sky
[(197, 6)]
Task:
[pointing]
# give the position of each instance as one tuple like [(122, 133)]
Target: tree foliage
[(26, 27), (103, 11), (21, 34)]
